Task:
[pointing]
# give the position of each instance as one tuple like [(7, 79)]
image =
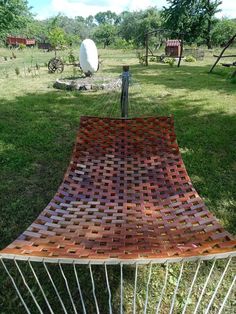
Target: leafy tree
[(182, 16), (13, 14), (105, 34), (67, 24), (73, 27), (150, 20), (34, 29), (210, 8), (134, 25), (223, 31), (107, 17), (83, 27), (89, 21), (192, 18), (56, 35), (128, 24)]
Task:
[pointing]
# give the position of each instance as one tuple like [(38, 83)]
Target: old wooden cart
[(56, 64)]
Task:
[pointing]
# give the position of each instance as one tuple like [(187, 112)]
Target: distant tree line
[(195, 20)]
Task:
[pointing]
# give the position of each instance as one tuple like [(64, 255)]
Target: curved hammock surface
[(126, 198)]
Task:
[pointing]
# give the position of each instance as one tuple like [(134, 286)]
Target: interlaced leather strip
[(126, 195)]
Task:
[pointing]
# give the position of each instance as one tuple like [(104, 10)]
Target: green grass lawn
[(38, 125)]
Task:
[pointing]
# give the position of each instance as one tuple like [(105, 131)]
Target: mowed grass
[(38, 125)]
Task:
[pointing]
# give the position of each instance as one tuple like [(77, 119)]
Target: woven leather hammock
[(126, 198)]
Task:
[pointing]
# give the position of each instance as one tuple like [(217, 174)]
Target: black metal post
[(181, 51), (124, 99)]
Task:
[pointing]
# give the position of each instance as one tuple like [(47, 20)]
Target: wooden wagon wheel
[(55, 65)]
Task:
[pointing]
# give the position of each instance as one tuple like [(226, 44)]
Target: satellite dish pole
[(124, 99)]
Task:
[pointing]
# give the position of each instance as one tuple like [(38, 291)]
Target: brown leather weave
[(125, 195)]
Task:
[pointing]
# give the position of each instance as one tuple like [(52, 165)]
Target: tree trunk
[(209, 44), (209, 24)]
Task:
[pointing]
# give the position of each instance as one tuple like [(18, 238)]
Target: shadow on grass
[(207, 142), (189, 77), (37, 136)]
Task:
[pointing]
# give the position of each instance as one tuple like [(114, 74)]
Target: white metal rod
[(163, 289), (218, 285), (94, 292), (147, 290), (16, 288), (227, 295), (135, 288), (191, 287), (79, 288), (68, 288), (204, 287), (28, 288), (121, 288), (55, 288), (40, 287), (176, 289), (145, 261), (109, 290)]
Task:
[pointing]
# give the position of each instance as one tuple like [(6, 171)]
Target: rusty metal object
[(55, 65), (126, 195)]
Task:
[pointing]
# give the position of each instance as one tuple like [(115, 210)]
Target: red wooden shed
[(173, 48)]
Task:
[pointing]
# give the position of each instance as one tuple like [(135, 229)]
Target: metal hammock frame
[(221, 55), (126, 201), (166, 34)]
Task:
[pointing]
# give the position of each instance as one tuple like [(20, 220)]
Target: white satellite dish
[(88, 57)]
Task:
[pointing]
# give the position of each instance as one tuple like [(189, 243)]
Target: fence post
[(124, 99)]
